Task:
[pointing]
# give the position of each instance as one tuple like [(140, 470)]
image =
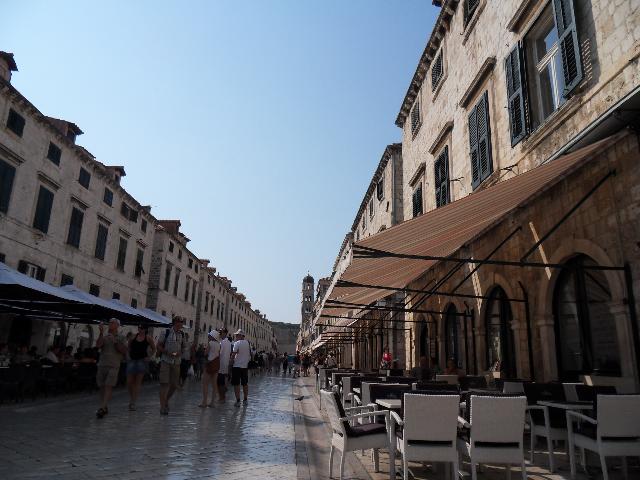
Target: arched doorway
[(451, 333), (586, 337), (501, 351)]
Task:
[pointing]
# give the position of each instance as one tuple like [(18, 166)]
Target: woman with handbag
[(211, 369)]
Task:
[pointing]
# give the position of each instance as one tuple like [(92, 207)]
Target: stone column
[(545, 324)]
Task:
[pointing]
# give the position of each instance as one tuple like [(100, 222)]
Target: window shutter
[(484, 138), (7, 174), (568, 42), (473, 146), (515, 90), (442, 178), (469, 7)]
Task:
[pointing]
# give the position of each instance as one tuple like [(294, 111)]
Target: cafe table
[(574, 406), (390, 403)]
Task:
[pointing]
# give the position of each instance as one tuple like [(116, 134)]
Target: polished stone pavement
[(62, 439)]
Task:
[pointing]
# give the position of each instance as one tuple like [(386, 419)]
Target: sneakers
[(237, 404), (102, 412), (245, 401)]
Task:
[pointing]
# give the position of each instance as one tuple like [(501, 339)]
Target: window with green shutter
[(7, 174), (437, 71), (43, 210), (75, 227), (441, 167), (101, 241), (415, 118), (515, 91), (480, 141), (470, 7), (416, 201), (565, 20)]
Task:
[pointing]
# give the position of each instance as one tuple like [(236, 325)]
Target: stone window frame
[(470, 23)]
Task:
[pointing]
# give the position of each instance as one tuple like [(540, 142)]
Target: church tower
[(306, 308)]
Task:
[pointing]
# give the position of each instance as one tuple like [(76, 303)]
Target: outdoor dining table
[(390, 403)]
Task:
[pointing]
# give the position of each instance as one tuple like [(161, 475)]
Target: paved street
[(64, 440)]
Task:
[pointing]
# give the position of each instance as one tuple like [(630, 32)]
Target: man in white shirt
[(239, 373), (225, 357)]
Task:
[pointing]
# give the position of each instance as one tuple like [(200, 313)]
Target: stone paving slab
[(64, 440)]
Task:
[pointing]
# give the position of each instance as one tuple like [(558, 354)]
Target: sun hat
[(215, 335), (239, 332)]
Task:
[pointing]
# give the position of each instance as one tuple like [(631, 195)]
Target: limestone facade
[(470, 59), (65, 218)]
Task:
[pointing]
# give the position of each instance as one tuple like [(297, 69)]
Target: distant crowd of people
[(222, 361)]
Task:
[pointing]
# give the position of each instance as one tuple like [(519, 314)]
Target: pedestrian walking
[(185, 362), (112, 349), (239, 373), (285, 363), (170, 345), (140, 348), (211, 368), (225, 359)]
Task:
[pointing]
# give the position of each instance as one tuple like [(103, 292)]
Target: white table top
[(390, 403), (567, 405)]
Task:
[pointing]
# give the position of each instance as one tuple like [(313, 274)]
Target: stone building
[(64, 216), (66, 219), (516, 118)]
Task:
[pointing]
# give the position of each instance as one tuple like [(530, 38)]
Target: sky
[(257, 123)]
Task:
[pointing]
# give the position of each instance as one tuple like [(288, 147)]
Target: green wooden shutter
[(442, 178), (568, 42), (514, 64), (473, 146), (484, 138), (7, 174)]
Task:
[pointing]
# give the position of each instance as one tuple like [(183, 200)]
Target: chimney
[(170, 226), (7, 65), (117, 172)]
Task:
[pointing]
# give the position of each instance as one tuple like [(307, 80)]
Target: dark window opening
[(108, 197), (143, 226), (134, 302), (122, 254), (94, 290), (32, 270), (15, 122), (380, 189), (43, 210), (415, 118), (66, 280), (416, 201), (54, 153), (7, 174), (75, 227), (115, 296), (586, 335), (84, 178), (167, 276), (171, 247), (101, 241), (470, 7), (501, 356), (139, 262)]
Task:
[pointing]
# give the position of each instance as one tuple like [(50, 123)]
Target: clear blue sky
[(256, 123)]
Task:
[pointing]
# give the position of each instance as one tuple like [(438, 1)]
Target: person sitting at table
[(52, 355), (452, 368), (21, 356)]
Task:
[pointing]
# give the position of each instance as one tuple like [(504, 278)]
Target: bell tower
[(307, 300)]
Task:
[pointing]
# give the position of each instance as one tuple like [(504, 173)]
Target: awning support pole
[(631, 301), (610, 174)]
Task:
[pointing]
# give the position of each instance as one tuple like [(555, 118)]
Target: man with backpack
[(170, 345)]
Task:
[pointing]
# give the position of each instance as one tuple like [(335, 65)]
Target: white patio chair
[(347, 437), (428, 430), (450, 379), (496, 430), (615, 433), (542, 426)]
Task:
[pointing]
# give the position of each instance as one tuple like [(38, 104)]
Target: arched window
[(451, 334), (500, 344), (586, 339)]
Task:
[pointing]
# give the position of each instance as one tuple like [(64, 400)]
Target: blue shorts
[(136, 367)]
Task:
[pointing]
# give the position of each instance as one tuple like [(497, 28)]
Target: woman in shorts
[(140, 348)]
